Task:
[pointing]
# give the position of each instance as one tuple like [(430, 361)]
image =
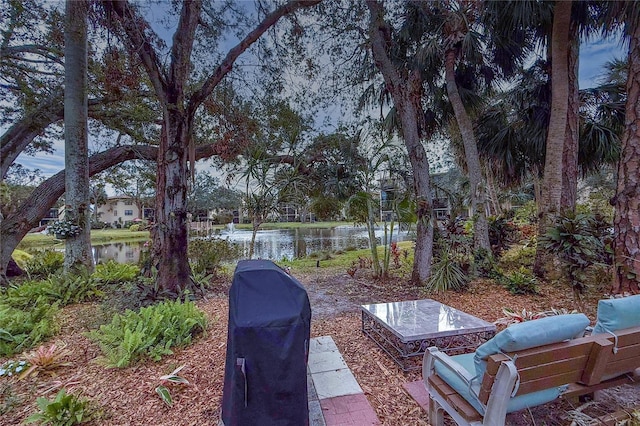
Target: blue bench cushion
[(471, 394), (530, 334), (616, 314)]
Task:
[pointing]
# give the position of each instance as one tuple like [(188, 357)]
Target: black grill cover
[(265, 378)]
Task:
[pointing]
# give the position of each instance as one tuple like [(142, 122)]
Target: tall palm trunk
[(474, 169), (552, 180), (76, 158), (627, 200), (570, 151)]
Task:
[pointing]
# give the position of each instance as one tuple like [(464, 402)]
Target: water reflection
[(119, 252), (296, 243), (270, 244)]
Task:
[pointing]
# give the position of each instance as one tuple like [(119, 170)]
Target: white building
[(118, 210)]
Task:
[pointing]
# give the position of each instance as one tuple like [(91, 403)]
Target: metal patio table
[(404, 330)]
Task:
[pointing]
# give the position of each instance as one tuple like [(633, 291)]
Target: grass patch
[(38, 240), (340, 262)]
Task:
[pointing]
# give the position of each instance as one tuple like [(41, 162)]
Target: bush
[(113, 272), (521, 281), (579, 240), (134, 227), (64, 410), (518, 256), (447, 274), (206, 256), (22, 329), (501, 233), (63, 288), (526, 214), (150, 332), (21, 258), (44, 263)]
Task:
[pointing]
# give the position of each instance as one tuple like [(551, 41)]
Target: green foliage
[(521, 281), (113, 272), (206, 256), (134, 228), (172, 379), (150, 332), (21, 258), (518, 256), (24, 295), (502, 232), (579, 240), (23, 328), (44, 263), (526, 214), (447, 274), (76, 288), (484, 264), (64, 410)]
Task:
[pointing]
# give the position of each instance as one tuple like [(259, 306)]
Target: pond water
[(270, 244)]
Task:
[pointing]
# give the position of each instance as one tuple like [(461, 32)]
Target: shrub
[(46, 359), (134, 228), (501, 233), (113, 272), (64, 410), (526, 213), (150, 332), (516, 257), (579, 240), (21, 258), (521, 281), (22, 329), (63, 288), (45, 262), (207, 255), (24, 295), (447, 274)]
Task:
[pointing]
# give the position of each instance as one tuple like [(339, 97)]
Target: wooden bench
[(582, 366)]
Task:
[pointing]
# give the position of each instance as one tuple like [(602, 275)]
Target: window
[(115, 212), (128, 212), (128, 203)]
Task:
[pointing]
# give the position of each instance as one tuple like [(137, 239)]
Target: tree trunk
[(552, 179), (474, 169), (406, 94), (372, 239), (76, 158), (627, 200), (27, 216), (171, 235), (570, 152)]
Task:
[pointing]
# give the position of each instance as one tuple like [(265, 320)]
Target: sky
[(593, 55)]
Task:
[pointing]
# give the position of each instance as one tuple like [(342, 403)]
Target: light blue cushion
[(530, 334), (470, 395), (616, 314)]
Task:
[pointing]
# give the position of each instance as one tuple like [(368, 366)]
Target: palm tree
[(404, 83)]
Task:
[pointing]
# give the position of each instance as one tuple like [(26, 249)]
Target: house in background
[(54, 213), (119, 210)]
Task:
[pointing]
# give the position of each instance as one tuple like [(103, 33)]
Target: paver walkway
[(335, 397)]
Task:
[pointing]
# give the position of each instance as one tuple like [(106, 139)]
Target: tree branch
[(135, 27), (227, 64)]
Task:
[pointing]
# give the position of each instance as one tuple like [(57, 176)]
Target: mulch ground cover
[(127, 396)]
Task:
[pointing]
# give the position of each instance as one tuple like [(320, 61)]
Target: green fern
[(150, 332)]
